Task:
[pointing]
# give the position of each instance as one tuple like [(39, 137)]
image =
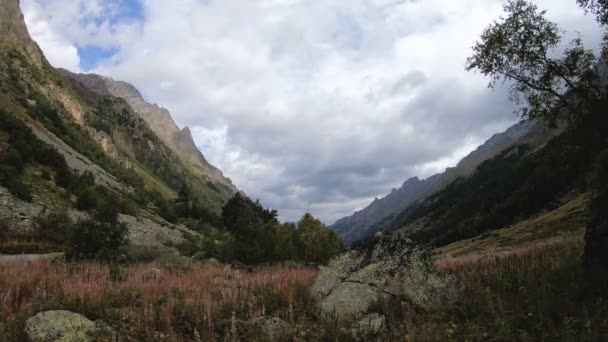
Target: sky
[(309, 105)]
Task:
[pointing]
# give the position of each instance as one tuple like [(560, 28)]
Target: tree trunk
[(596, 239)]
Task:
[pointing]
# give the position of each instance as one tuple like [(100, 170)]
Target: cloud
[(310, 105)]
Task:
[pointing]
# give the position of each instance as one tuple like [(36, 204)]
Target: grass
[(566, 220), (202, 301), (537, 293), (154, 182)]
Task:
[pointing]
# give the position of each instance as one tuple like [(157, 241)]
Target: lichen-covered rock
[(59, 326), (390, 269), (372, 323)]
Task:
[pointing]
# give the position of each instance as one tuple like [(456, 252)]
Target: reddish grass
[(492, 254), (207, 299)]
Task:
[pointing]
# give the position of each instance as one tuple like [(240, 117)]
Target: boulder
[(372, 323), (59, 326), (391, 268)]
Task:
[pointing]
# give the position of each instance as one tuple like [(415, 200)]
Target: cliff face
[(380, 212), (161, 122), (13, 31)]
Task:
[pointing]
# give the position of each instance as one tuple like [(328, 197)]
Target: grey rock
[(59, 326), (153, 274), (372, 323), (270, 328), (390, 269)]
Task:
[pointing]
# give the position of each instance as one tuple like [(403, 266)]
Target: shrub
[(64, 177), (12, 158), (19, 189), (87, 199), (92, 239), (55, 226), (4, 230)]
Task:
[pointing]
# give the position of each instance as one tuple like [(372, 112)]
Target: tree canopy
[(521, 49)]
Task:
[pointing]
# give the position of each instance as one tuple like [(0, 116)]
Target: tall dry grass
[(534, 293), (202, 302)]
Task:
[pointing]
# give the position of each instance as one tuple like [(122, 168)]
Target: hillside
[(380, 213), (160, 122), (57, 131), (517, 184)]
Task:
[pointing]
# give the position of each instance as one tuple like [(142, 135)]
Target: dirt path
[(28, 257)]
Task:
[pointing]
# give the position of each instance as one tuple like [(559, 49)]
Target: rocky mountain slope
[(380, 213), (112, 135), (160, 121)]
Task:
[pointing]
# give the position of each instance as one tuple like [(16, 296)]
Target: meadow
[(203, 302)]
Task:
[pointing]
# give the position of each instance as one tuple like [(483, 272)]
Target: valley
[(115, 225)]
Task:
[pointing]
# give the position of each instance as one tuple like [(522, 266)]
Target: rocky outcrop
[(380, 213), (160, 122), (59, 326), (390, 269), (14, 34)]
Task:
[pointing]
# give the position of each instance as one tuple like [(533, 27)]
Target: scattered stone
[(268, 328), (153, 274), (59, 326), (211, 261)]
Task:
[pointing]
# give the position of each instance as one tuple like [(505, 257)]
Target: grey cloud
[(315, 105)]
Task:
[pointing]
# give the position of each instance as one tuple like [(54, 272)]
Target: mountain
[(69, 142), (160, 121), (14, 33), (379, 214)]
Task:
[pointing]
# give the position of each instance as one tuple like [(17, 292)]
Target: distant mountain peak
[(365, 222), (160, 121)]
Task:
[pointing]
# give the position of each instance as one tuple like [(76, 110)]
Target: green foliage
[(63, 177), (25, 148), (12, 158), (87, 198), (99, 238), (252, 226), (54, 225), (512, 186), (4, 230), (253, 235), (519, 48), (317, 243), (18, 188)]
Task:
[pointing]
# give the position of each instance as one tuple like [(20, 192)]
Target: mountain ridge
[(364, 223), (160, 121)]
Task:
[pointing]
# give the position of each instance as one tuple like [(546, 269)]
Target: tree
[(519, 48), (92, 239), (600, 9), (317, 243)]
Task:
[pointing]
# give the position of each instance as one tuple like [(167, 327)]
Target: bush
[(87, 199), (55, 226), (19, 189), (64, 177), (4, 230), (12, 158), (92, 239)]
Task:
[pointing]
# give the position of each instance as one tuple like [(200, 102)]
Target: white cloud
[(59, 50), (312, 105)]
